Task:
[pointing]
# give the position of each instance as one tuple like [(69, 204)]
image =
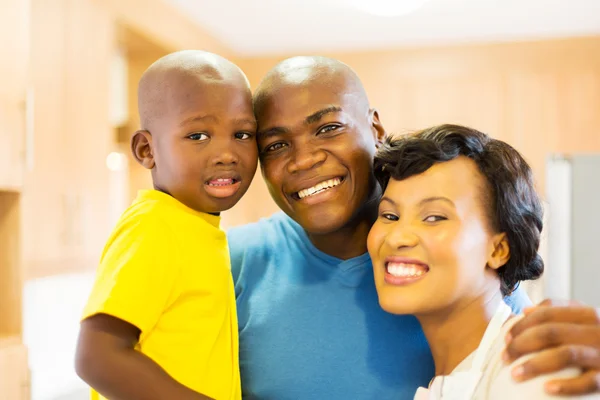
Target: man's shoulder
[(259, 242), (260, 233)]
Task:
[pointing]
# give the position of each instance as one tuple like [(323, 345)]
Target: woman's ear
[(500, 252), (141, 147)]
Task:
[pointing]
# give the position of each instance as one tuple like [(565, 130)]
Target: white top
[(484, 376)]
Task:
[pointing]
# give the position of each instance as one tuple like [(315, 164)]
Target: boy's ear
[(378, 129), (141, 147), (500, 253)]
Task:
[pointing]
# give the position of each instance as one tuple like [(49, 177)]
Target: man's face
[(316, 145)]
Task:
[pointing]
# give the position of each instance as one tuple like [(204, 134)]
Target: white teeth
[(319, 187), (405, 270)]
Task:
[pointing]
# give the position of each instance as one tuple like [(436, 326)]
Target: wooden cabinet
[(14, 370), (14, 76)]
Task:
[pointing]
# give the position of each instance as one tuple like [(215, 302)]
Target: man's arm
[(565, 336), (107, 361)]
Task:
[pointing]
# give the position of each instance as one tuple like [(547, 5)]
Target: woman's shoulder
[(497, 381)]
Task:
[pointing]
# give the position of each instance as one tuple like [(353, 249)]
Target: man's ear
[(141, 147), (500, 252), (379, 133)]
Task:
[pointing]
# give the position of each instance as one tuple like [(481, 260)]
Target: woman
[(458, 228)]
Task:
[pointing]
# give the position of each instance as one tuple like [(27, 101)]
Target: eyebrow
[(316, 116), (197, 118), (213, 119), (311, 119), (276, 131), (424, 201)]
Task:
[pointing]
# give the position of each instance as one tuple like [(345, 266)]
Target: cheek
[(375, 240), (461, 248), (271, 172)]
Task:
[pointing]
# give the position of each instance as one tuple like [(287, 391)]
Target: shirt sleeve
[(137, 274)]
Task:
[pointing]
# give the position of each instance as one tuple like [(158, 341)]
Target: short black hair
[(513, 204)]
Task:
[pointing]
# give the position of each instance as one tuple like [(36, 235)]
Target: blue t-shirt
[(310, 325)]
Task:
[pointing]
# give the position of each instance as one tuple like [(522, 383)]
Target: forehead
[(196, 96), (286, 103), (458, 180)]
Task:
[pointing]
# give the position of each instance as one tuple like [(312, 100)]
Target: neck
[(455, 333), (351, 240)]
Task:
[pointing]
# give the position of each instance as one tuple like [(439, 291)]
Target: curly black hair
[(513, 204)]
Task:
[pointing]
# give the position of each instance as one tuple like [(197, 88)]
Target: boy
[(159, 324)]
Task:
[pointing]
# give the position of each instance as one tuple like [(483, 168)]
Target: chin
[(323, 222), (397, 306), (404, 301)]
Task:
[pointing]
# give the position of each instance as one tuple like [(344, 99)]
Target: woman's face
[(432, 246)]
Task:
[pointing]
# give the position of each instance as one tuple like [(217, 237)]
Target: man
[(310, 323)]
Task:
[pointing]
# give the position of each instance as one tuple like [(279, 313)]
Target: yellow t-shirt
[(166, 270)]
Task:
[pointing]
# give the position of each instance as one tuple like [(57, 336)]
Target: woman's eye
[(389, 216), (328, 128), (434, 218), (198, 136), (243, 135)]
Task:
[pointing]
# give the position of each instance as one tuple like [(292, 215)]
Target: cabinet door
[(14, 75), (12, 143), (14, 372)]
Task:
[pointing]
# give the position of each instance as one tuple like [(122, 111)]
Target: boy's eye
[(434, 218), (328, 128), (198, 136), (389, 216), (243, 135)]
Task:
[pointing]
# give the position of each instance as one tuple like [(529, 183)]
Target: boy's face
[(204, 148)]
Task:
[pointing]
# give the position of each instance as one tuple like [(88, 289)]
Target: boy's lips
[(223, 185)]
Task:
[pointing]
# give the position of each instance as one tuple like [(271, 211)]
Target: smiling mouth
[(405, 270), (318, 188)]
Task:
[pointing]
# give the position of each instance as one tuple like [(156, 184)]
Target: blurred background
[(527, 72)]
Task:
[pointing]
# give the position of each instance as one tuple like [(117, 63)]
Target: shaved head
[(166, 83), (308, 71)]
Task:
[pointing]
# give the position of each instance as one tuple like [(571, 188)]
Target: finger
[(550, 335), (552, 303), (588, 382), (543, 315), (556, 359)]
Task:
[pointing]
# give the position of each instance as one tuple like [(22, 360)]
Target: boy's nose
[(225, 156)]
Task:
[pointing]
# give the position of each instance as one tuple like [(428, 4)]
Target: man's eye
[(328, 128), (198, 136), (274, 147), (243, 135)]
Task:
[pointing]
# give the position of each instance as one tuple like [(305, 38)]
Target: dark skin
[(314, 124), (566, 334), (308, 133), (198, 126)]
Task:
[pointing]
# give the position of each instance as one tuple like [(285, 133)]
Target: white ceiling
[(262, 27)]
